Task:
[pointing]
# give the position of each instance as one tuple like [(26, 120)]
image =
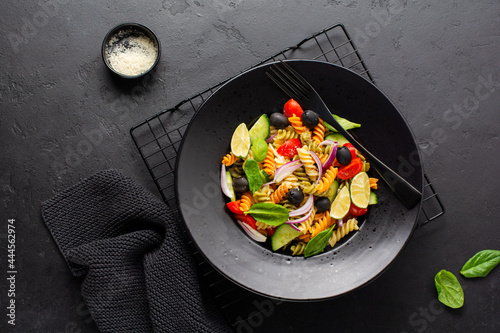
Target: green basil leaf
[(449, 290), (269, 213), (346, 124), (481, 264), (318, 242), (252, 172)]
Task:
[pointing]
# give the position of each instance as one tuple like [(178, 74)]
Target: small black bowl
[(127, 41)]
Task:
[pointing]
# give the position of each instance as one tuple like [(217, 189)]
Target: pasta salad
[(291, 179)]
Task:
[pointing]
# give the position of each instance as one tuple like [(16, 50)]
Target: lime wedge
[(341, 204), (360, 190), (240, 142), (259, 149)]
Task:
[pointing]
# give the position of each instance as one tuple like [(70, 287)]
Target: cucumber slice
[(337, 137), (264, 176), (229, 181), (373, 199), (283, 235), (331, 193), (260, 129)]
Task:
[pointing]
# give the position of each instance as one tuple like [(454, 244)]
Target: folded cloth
[(139, 273)]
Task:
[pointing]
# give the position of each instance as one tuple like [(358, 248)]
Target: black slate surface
[(64, 117)]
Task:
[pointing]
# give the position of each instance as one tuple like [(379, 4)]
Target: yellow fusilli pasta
[(298, 248), (338, 233), (263, 226), (307, 160), (280, 160), (304, 226), (263, 194)]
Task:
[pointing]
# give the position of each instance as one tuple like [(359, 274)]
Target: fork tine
[(283, 87), (291, 82), (306, 86)]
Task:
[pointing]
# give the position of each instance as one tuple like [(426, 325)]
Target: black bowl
[(118, 39), (351, 263)]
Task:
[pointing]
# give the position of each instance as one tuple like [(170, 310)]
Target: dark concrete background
[(64, 117)]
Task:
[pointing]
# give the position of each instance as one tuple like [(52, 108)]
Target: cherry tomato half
[(291, 108), (356, 211), (234, 206), (289, 148), (350, 170), (351, 149), (270, 231), (247, 219)]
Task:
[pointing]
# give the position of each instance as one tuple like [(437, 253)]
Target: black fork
[(296, 87)]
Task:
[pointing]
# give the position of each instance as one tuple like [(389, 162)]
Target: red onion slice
[(326, 142), (331, 158), (319, 164), (271, 138), (223, 182), (305, 207), (302, 219), (252, 233), (286, 172), (286, 169), (287, 164)]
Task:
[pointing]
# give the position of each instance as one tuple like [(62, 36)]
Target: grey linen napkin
[(139, 274)]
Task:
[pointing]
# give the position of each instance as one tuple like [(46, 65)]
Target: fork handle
[(406, 192)]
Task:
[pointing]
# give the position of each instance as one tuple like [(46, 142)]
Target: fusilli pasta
[(269, 163), (280, 192), (350, 225), (323, 222), (297, 124), (307, 160), (319, 132), (298, 248), (304, 226), (263, 194), (246, 201), (327, 179)]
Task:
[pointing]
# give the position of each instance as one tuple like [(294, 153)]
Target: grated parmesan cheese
[(131, 55)]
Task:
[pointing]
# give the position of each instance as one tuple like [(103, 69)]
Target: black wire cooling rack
[(158, 139)]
